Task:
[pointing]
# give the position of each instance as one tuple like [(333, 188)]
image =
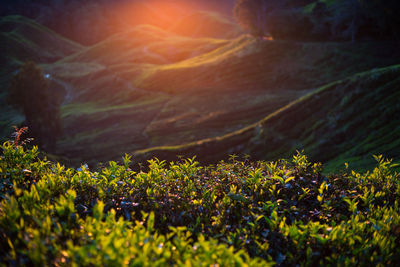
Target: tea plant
[(180, 213)]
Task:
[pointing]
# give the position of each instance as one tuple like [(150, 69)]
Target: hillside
[(91, 21), (148, 87), (145, 44), (22, 39), (345, 121), (206, 24), (246, 63), (169, 104)]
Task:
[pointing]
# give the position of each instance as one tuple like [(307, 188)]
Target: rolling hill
[(23, 39), (157, 93), (345, 121), (232, 85), (145, 44), (206, 24), (246, 63), (107, 105)]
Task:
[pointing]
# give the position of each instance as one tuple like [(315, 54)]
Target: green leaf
[(289, 179), (237, 197)]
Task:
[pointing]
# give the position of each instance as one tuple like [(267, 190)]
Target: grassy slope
[(242, 82), (145, 44), (117, 102), (217, 92), (245, 63), (22, 39), (99, 104), (102, 105), (346, 120), (102, 113)]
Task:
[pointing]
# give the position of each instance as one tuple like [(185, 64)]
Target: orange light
[(160, 13)]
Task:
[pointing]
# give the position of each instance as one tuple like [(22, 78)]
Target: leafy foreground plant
[(232, 214)]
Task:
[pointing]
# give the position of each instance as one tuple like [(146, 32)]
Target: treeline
[(321, 20)]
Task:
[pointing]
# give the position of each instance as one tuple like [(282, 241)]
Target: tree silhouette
[(30, 93), (353, 19), (281, 19), (251, 15), (320, 20)]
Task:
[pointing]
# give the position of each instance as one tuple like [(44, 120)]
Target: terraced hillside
[(145, 44), (345, 121), (246, 63), (138, 116), (148, 87), (22, 39)]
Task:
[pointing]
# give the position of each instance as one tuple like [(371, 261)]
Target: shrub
[(233, 213), (29, 92)]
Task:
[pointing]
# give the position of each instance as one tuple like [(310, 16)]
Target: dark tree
[(354, 19), (30, 92), (345, 20), (282, 19), (250, 14)]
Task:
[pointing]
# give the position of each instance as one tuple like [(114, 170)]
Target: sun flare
[(163, 14)]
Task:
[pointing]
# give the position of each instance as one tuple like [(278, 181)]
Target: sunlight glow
[(160, 13)]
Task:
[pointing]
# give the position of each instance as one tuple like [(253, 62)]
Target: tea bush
[(234, 213)]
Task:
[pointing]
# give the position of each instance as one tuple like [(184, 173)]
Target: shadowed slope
[(22, 39), (348, 119), (259, 78), (246, 63)]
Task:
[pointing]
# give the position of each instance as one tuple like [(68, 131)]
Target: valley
[(152, 92)]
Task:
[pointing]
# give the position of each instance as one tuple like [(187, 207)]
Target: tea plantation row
[(235, 213)]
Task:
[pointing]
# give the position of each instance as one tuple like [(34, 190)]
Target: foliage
[(182, 213), (353, 19), (280, 19), (251, 16), (29, 92), (322, 19)]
